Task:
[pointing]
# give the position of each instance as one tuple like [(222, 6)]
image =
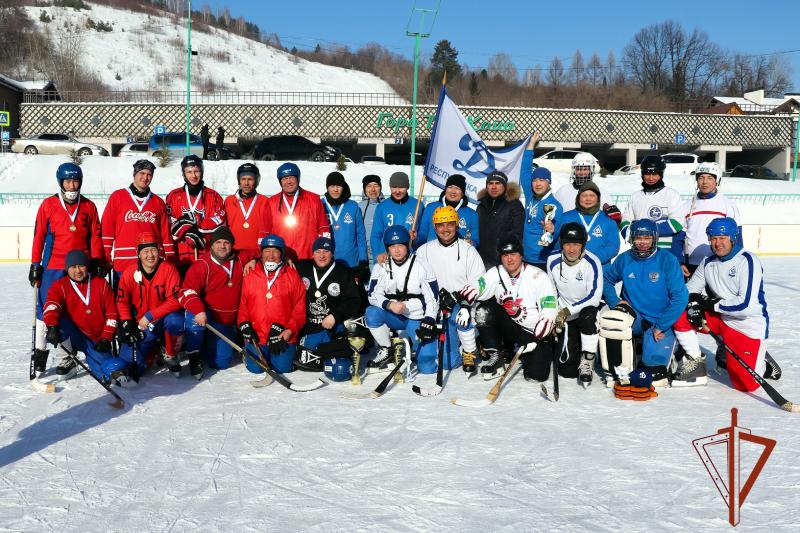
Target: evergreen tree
[(444, 59)]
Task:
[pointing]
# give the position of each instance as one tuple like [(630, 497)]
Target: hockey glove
[(248, 332), (467, 294), (53, 335), (543, 327), (276, 342), (625, 308), (427, 330), (182, 225), (613, 213), (512, 306), (446, 300), (35, 274), (102, 346), (99, 268), (195, 239), (463, 317), (561, 318), (130, 332), (697, 308)]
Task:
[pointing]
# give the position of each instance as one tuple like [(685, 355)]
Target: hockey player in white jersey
[(455, 263), (727, 298), (403, 296), (577, 276), (659, 203), (517, 306), (704, 207)]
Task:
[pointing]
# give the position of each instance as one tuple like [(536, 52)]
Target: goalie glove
[(248, 332), (427, 329), (276, 342), (181, 225)]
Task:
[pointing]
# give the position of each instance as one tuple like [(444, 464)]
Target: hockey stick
[(776, 397), (120, 403), (380, 389), (280, 378), (495, 392), (35, 383), (443, 338)]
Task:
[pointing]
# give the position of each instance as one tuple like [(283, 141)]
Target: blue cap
[(541, 173), (641, 377), (323, 243)]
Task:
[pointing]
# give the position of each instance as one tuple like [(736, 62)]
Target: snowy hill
[(145, 52)]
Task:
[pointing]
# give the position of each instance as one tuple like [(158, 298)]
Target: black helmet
[(653, 164), (249, 169), (509, 245), (191, 161), (572, 232)]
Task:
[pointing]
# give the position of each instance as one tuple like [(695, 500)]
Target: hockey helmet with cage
[(582, 160), (644, 228)]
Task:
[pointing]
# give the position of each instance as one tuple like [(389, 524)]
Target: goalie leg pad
[(616, 340)]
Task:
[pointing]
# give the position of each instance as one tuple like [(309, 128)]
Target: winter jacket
[(287, 306), (347, 228), (498, 219), (467, 223)]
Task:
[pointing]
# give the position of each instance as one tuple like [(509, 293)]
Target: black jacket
[(339, 295), (497, 219)]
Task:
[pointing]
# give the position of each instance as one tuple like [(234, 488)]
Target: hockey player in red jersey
[(210, 294), (80, 311), (298, 215), (249, 216), (195, 211), (273, 308), (65, 221), (148, 309), (132, 211)]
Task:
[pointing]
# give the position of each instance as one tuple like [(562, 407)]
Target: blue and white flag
[(456, 148)]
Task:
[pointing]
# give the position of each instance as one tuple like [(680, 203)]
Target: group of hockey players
[(322, 283)]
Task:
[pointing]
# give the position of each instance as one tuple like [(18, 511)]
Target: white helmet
[(709, 168), (582, 159)]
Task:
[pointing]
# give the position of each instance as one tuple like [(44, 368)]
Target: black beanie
[(335, 178), (371, 178), (222, 232), (459, 181)]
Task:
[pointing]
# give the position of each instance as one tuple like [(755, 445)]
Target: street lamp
[(419, 14)]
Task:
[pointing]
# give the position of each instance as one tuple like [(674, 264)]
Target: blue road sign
[(5, 118), (654, 146), (680, 138), (5, 136), (159, 130)]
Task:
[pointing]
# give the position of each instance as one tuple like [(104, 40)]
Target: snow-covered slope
[(149, 53)]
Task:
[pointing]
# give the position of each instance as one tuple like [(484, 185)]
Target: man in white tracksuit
[(455, 263)]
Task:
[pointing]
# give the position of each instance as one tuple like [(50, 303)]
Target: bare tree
[(533, 76), (555, 74), (577, 69), (748, 73), (502, 66), (594, 70)]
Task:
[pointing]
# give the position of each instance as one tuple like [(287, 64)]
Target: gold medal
[(246, 224), (291, 221), (230, 284), (73, 228), (88, 311), (317, 294), (269, 296)]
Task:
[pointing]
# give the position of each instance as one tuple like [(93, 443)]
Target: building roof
[(36, 85), (723, 109), (766, 106)]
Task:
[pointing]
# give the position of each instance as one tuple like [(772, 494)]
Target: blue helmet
[(721, 227), (274, 241), (644, 227), (288, 169), (68, 171), (338, 368), (397, 234), (113, 368)]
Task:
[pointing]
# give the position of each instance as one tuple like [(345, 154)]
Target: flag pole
[(424, 177)]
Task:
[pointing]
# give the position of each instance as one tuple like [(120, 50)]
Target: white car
[(628, 170), (560, 161), (55, 143), (372, 160), (134, 149), (679, 163)]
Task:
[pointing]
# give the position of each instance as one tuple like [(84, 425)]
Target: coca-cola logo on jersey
[(144, 216)]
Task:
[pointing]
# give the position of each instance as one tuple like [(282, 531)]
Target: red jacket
[(52, 238), (123, 221), (287, 306), (156, 297), (259, 221), (307, 222), (97, 320), (209, 213), (205, 288)]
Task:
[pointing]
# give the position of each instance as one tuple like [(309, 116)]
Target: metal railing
[(215, 97)]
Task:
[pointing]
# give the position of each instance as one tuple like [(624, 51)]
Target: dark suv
[(293, 147)]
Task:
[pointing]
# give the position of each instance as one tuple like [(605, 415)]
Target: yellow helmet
[(445, 214)]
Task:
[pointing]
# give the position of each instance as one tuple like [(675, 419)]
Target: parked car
[(681, 163), (55, 143), (628, 170), (752, 171), (133, 149), (560, 161), (293, 147), (175, 143), (372, 160)]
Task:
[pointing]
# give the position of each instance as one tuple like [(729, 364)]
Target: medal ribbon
[(88, 290), (73, 215), (246, 214), (319, 281)]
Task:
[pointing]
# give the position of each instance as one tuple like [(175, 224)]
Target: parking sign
[(680, 138), (5, 118), (160, 130), (5, 135)]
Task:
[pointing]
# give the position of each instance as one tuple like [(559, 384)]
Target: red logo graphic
[(733, 493), (144, 216)]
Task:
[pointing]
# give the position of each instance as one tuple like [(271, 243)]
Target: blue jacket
[(533, 230), (388, 213), (467, 224), (348, 231), (603, 234), (654, 286)]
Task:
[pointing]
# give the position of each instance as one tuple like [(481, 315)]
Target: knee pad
[(587, 320), (616, 339)]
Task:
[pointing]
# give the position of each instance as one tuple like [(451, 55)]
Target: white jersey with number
[(699, 214), (739, 281), (413, 282), (579, 285), (453, 266), (531, 291)]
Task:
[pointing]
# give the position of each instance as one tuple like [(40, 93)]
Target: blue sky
[(531, 32)]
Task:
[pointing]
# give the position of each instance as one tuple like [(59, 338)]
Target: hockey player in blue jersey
[(398, 209), (403, 296), (653, 298), (347, 225), (454, 195), (542, 218), (601, 231)]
